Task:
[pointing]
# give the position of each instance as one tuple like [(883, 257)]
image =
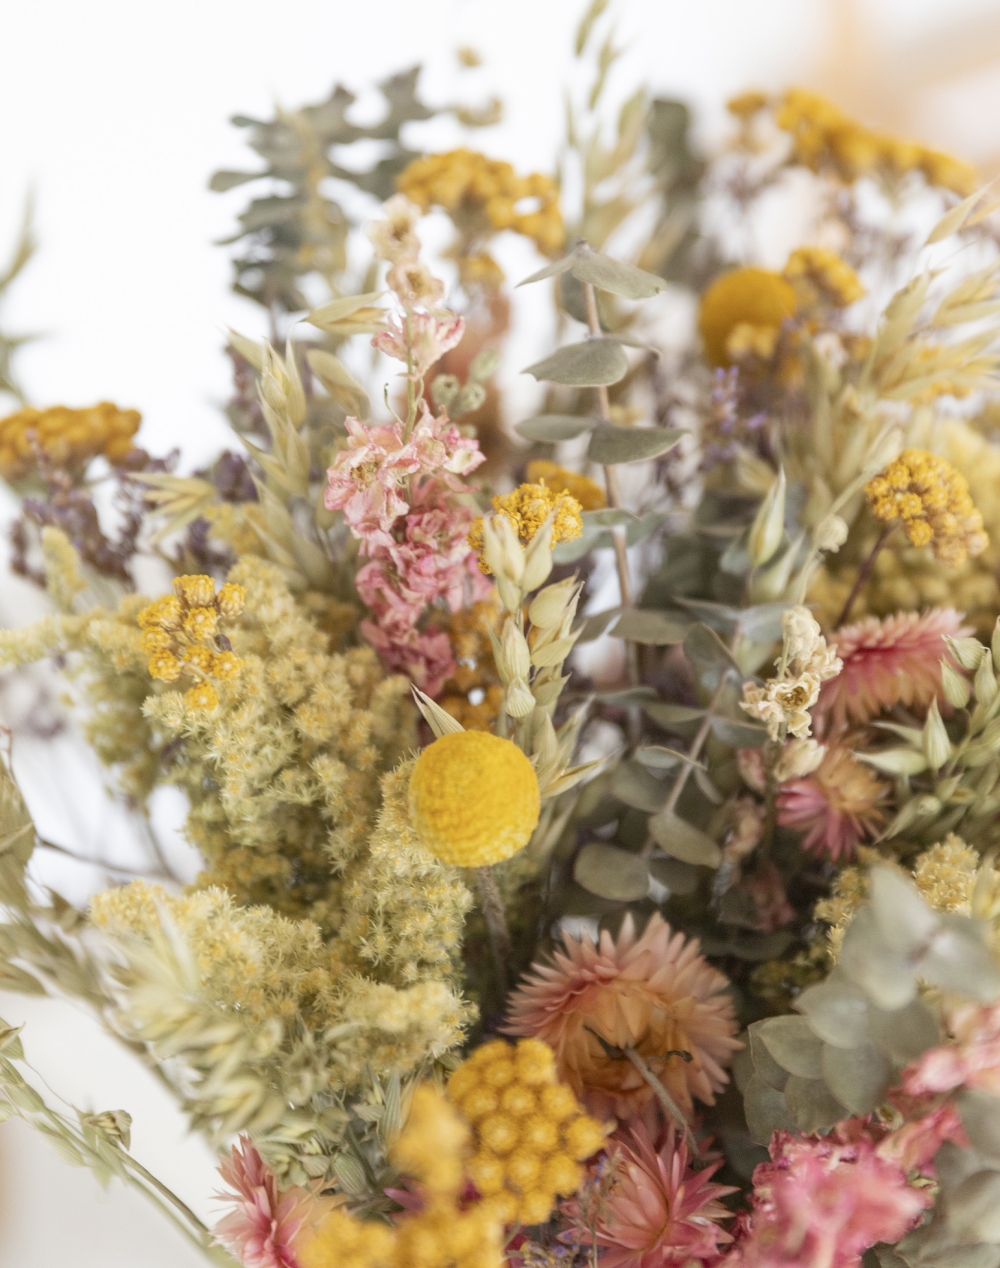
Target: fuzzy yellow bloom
[(531, 1138), (587, 492), (68, 437), (473, 798), (818, 274), (527, 509), (201, 698), (746, 297), (932, 500)]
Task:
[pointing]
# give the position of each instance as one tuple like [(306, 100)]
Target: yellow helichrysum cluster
[(531, 1133), (932, 500), (69, 438), (824, 137), (821, 276), (474, 798), (587, 492), (431, 1148), (181, 636), (527, 509)]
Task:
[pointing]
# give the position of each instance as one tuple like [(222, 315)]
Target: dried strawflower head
[(931, 499), (884, 663), (748, 297), (530, 1133), (68, 438), (658, 1210), (656, 995), (474, 798), (526, 510), (181, 636), (821, 276), (395, 235), (587, 492), (837, 806)]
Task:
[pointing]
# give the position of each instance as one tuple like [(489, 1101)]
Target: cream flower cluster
[(806, 662)]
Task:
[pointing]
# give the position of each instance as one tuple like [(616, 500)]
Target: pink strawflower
[(421, 336), (972, 1060), (822, 1201), (837, 806), (656, 994), (424, 655), (914, 1145), (261, 1228), (892, 661), (658, 1210)]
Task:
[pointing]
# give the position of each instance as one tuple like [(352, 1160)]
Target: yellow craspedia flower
[(931, 499), (529, 1147), (818, 274), (527, 509), (753, 297), (473, 798), (587, 492), (68, 438)]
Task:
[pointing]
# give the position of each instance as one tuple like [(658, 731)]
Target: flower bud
[(954, 686), (538, 558), (798, 758), (985, 681), (548, 605), (967, 651), (937, 746), (769, 524), (830, 533)]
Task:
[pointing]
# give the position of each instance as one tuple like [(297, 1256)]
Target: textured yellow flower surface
[(587, 492), (473, 798), (527, 509), (932, 500), (67, 437), (743, 297)]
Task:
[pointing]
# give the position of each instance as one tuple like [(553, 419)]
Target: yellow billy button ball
[(473, 798)]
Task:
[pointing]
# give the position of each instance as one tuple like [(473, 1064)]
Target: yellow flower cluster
[(742, 311), (824, 137), (587, 492), (69, 438), (475, 667), (527, 509), (431, 1147), (932, 500), (472, 187), (531, 1133), (474, 798), (181, 636), (819, 275)]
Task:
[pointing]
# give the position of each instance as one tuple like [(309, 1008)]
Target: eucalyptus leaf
[(611, 873), (594, 626), (887, 979), (670, 715), (973, 1209), (812, 1105), (626, 697), (550, 270), (635, 786), (792, 1043), (592, 363), (657, 629), (980, 1112), (904, 921), (837, 1010), (553, 428), (677, 877), (611, 444), (615, 276), (766, 1111), (682, 840), (739, 734), (857, 1077), (765, 1066), (762, 623), (906, 1033), (659, 757), (959, 960), (704, 648)]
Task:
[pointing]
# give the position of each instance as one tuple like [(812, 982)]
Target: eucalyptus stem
[(496, 925)]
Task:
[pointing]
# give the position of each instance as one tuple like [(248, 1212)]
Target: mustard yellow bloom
[(68, 437), (473, 798), (527, 509), (587, 492), (746, 297), (932, 500), (818, 274)]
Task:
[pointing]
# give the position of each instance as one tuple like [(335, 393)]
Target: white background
[(115, 114)]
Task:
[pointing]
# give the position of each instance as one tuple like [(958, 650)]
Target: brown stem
[(664, 1097), (496, 925), (864, 572)]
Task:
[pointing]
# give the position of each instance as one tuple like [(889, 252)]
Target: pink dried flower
[(837, 806), (972, 1060), (420, 338), (892, 661), (823, 1201), (913, 1146), (658, 1210), (656, 994), (261, 1228), (424, 655)]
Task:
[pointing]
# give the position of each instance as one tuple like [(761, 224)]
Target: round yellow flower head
[(473, 798), (530, 1133), (932, 500), (527, 509), (752, 297), (587, 492), (818, 274)]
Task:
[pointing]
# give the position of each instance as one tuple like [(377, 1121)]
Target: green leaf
[(904, 921), (594, 626), (765, 1066), (626, 697), (611, 445), (592, 363), (555, 427), (653, 628), (766, 1111), (669, 715), (792, 1043), (885, 978), (611, 873), (704, 648), (812, 1105), (677, 877), (980, 1113), (974, 1209), (635, 786), (658, 757), (682, 840), (550, 270), (615, 276), (762, 623), (857, 1077), (223, 181), (904, 1034), (959, 960), (837, 1010), (739, 734)]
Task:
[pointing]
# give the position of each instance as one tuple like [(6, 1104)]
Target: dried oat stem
[(496, 924), (864, 572)]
